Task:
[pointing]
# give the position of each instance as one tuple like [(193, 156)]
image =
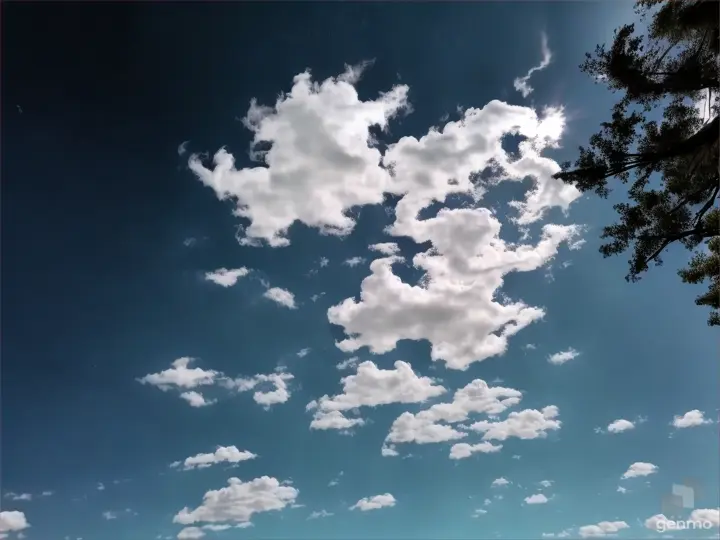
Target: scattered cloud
[(546, 483), (692, 418), (226, 278), (385, 248), (479, 512), (222, 454), (374, 503), (320, 514), (604, 528), (350, 363), (196, 399), (500, 482), (181, 376), (372, 387), (237, 502), (640, 468), (527, 424), (101, 486), (353, 261), (302, 353), (621, 489), (182, 148), (464, 450), (18, 496), (560, 358), (431, 425), (538, 498), (620, 425), (279, 381), (281, 296), (190, 533), (522, 84), (706, 515)]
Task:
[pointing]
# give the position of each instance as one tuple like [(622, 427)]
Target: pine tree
[(660, 142)]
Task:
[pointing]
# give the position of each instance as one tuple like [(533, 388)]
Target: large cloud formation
[(323, 161)]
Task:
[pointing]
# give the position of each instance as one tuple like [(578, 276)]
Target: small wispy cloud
[(522, 84)]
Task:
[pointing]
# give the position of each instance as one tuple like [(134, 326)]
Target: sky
[(301, 270)]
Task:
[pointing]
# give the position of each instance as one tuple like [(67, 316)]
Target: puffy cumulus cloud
[(455, 307), (375, 502), (196, 399), (561, 357), (537, 498), (281, 296), (527, 424), (181, 376), (237, 502), (222, 454), (656, 522), (464, 450), (706, 515), (385, 248), (13, 521), (431, 425), (321, 162), (334, 420), (190, 533), (522, 84), (225, 277), (500, 482), (640, 468), (604, 528), (278, 380), (620, 425), (371, 386), (692, 418)]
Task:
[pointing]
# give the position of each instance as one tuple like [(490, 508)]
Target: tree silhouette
[(662, 139)]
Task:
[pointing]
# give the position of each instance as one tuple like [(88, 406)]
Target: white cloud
[(13, 521), (563, 356), (656, 522), (316, 297), (109, 515), (385, 248), (324, 261), (621, 489), (537, 498), (604, 528), (317, 178), (196, 399), (223, 454), (546, 483), (620, 425), (521, 84), (320, 514), (18, 496), (353, 261), (527, 424), (640, 468), (334, 420), (281, 296), (46, 493), (692, 418), (499, 482), (182, 148), (302, 353), (709, 515), (179, 375), (348, 363), (279, 380), (529, 346), (225, 277), (218, 528), (428, 426), (101, 486), (322, 161), (375, 502), (237, 502), (190, 533), (464, 450), (372, 387), (479, 512)]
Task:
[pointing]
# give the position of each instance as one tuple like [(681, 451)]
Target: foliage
[(660, 142)]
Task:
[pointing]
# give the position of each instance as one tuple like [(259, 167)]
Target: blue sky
[(351, 336)]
